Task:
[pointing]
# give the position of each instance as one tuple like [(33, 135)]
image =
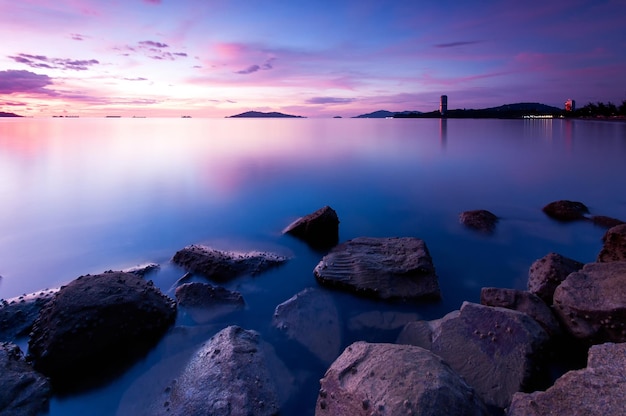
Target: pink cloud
[(42, 61)]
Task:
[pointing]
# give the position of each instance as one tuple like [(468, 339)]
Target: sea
[(85, 195)]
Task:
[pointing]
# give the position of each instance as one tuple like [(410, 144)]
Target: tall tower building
[(443, 105), (570, 105)]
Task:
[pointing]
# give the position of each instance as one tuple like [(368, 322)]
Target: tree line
[(600, 109)]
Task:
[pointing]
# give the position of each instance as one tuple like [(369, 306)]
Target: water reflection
[(443, 132)]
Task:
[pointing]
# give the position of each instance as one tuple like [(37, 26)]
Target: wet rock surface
[(606, 222), (497, 351), (18, 314), (234, 373), (522, 301), (385, 268), (614, 245), (599, 389), (548, 272), (391, 379), (312, 319), (480, 220), (591, 303), (221, 265), (97, 325), (565, 210), (23, 391), (205, 302), (319, 229)]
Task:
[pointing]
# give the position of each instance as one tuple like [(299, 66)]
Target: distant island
[(518, 110), (3, 114), (259, 114)]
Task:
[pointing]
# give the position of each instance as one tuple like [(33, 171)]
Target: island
[(3, 114), (259, 114)]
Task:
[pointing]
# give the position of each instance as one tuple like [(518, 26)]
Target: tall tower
[(443, 105), (570, 105)]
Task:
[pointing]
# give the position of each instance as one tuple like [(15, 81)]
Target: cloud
[(42, 61), (329, 100), (18, 81), (77, 36), (135, 79), (154, 44), (455, 44), (249, 70)]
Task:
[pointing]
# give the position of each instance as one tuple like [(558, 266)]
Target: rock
[(480, 220), (565, 210), (205, 302), (312, 319), (225, 265), (591, 303), (234, 373), (18, 314), (389, 379), (23, 392), (497, 351), (614, 247), (384, 321), (548, 272), (319, 229), (97, 325), (525, 302), (606, 222), (599, 389), (385, 268), (142, 269)]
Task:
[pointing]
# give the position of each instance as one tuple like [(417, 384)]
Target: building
[(443, 105), (570, 105)]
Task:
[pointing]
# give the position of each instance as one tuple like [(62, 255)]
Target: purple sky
[(311, 58)]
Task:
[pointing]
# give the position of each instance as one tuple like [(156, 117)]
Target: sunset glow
[(165, 58)]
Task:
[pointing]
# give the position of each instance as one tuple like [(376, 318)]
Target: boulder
[(599, 389), (312, 319), (221, 265), (205, 302), (142, 269), (526, 302), (591, 303), (18, 314), (97, 325), (319, 229), (389, 379), (480, 220), (565, 210), (385, 268), (497, 351), (234, 373), (23, 391), (614, 245), (548, 272), (604, 221)]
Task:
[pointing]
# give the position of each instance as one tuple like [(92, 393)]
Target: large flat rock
[(389, 379), (220, 265), (591, 303), (385, 268), (599, 389)]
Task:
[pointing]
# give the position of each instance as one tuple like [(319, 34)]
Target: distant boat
[(139, 116), (113, 116), (185, 117)]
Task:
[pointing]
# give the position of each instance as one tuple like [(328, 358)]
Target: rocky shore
[(491, 358)]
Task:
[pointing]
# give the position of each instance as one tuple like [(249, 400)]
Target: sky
[(207, 58)]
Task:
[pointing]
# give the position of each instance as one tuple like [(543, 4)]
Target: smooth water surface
[(87, 195)]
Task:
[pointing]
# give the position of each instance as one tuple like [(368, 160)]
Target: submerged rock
[(97, 325), (591, 303), (18, 314), (23, 391), (221, 265), (234, 373), (606, 222), (390, 379), (205, 302), (599, 389), (497, 351), (480, 220), (548, 272), (614, 247), (312, 319), (385, 268), (565, 210), (320, 229)]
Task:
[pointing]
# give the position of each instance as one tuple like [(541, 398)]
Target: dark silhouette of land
[(3, 114), (259, 114)]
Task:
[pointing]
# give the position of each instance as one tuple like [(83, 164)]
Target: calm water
[(86, 195)]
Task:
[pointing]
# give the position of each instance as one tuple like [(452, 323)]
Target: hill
[(3, 114), (389, 114), (259, 114)]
